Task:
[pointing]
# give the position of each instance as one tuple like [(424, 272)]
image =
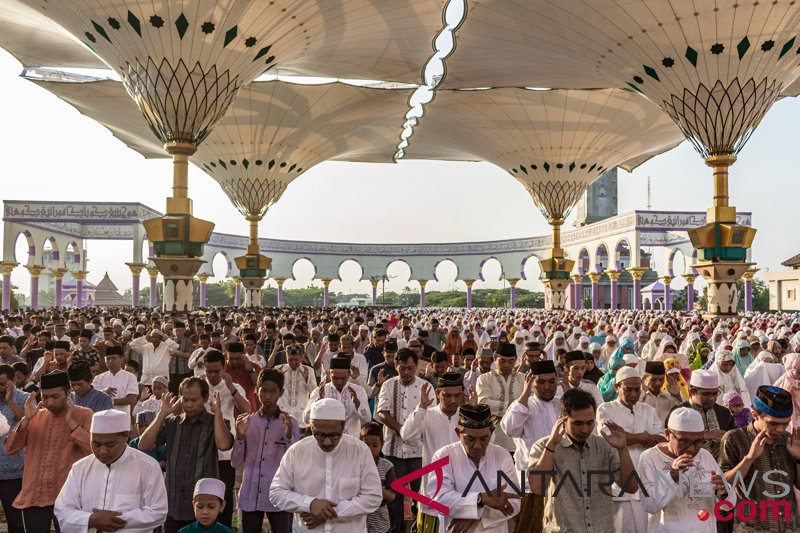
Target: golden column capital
[(326, 282), (637, 273), (374, 283), (35, 270), (153, 272), (690, 278), (58, 273), (613, 275), (469, 282), (136, 268), (594, 277), (577, 279), (749, 274), (666, 280), (512, 281), (236, 279), (202, 277), (79, 275), (8, 267), (422, 282), (280, 281)]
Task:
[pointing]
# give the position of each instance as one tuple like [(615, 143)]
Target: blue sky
[(52, 152)]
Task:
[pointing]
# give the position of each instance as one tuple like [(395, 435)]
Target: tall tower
[(599, 201)]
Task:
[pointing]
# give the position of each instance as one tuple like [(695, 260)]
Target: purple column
[(325, 293), (595, 279), (748, 295), (153, 290), (637, 293), (514, 296), (690, 296), (59, 290), (613, 294), (422, 292), (202, 294), (374, 294), (469, 295), (238, 297), (6, 291), (35, 292), (135, 290), (78, 292), (667, 293), (280, 292)]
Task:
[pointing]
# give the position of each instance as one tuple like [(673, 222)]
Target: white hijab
[(761, 372)]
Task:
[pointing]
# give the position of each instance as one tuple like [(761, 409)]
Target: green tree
[(14, 297)]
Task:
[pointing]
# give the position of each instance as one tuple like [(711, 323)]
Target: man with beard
[(328, 479), (115, 488), (436, 425), (352, 396), (527, 420)]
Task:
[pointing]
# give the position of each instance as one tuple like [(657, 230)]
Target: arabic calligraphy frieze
[(76, 211)]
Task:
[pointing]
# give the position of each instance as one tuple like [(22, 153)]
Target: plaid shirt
[(180, 365)]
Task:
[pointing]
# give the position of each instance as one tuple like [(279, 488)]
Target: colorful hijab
[(674, 363), (606, 383), (697, 360), (742, 361)]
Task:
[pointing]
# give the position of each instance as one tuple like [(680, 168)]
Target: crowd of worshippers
[(131, 420)]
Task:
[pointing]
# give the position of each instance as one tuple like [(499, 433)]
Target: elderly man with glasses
[(328, 479), (703, 392)]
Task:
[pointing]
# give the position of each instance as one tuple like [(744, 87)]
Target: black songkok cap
[(543, 367), (654, 368), (468, 351), (475, 416), (340, 362), (180, 325), (235, 347), (506, 350), (439, 357), (55, 379), (390, 346), (75, 333), (450, 379), (114, 350), (49, 345), (533, 345), (576, 355), (63, 345), (80, 370), (773, 401)]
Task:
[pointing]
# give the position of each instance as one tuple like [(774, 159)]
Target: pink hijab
[(788, 382)]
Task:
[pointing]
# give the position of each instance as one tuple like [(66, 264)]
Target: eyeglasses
[(709, 394), (322, 437), (686, 443)]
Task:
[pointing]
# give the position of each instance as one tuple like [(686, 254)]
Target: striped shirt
[(378, 521), (191, 455)]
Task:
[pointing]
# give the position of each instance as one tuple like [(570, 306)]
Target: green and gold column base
[(178, 241), (556, 279), (723, 293), (253, 273)]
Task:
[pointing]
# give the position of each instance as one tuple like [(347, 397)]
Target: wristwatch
[(480, 500)]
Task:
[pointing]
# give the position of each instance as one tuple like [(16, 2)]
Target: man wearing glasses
[(329, 478), (703, 392), (683, 459)]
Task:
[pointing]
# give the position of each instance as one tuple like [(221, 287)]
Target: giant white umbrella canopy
[(555, 142)]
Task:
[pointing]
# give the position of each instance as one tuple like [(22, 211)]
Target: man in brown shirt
[(56, 435), (760, 447)]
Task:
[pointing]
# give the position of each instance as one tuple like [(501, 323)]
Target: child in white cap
[(208, 503)]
